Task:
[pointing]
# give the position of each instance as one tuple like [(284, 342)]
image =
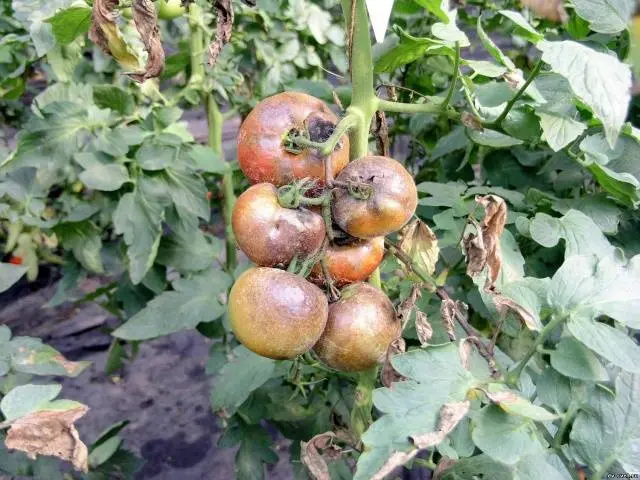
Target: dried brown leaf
[(514, 78), (105, 34), (224, 21), (464, 350), (444, 464), (450, 415), (420, 244), (388, 375), (448, 309), (315, 453), (51, 433), (504, 304), (407, 305), (550, 9), (381, 132), (483, 249), (471, 121), (423, 328), (145, 19)]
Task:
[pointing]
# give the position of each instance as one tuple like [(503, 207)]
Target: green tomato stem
[(326, 148), (434, 105), (215, 121), (567, 418), (534, 73), (454, 78)]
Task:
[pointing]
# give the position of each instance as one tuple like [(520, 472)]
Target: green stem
[(215, 121), (454, 79), (519, 93), (567, 418), (363, 402), (602, 471), (326, 148), (513, 377), (432, 106)]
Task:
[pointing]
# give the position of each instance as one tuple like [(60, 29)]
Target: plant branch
[(454, 78), (567, 418), (326, 148), (433, 106), (516, 97)]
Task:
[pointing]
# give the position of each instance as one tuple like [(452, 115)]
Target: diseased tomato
[(262, 137), (361, 326), (350, 263), (270, 234), (170, 9), (275, 313), (393, 200)]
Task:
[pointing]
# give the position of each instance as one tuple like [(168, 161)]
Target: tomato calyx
[(315, 134), (293, 194), (358, 190)]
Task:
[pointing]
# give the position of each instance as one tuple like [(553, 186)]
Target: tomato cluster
[(333, 231)]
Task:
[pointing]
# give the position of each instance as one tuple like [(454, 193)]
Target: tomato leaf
[(606, 16)]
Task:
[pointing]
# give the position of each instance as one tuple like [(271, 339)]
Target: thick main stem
[(215, 121)]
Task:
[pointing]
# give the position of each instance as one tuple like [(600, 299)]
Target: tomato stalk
[(215, 121)]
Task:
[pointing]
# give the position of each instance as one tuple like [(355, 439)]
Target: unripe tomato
[(170, 9), (350, 263), (361, 326), (270, 234), (275, 313), (262, 137), (393, 200)]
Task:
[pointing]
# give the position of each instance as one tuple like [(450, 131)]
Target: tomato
[(392, 203), (360, 328), (170, 9), (275, 313), (16, 260), (261, 140), (270, 234), (350, 263)]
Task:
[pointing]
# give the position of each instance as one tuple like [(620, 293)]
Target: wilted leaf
[(448, 309), (421, 245), (315, 452), (105, 34), (504, 304), (224, 22), (407, 305), (145, 18), (50, 432), (388, 374), (550, 9), (514, 404), (423, 328), (450, 416), (483, 249)]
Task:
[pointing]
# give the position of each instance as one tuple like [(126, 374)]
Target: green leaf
[(492, 48), (485, 68), (403, 50), (604, 212), (106, 178), (435, 376), (193, 300), (158, 152), (449, 31), (514, 404), (115, 98), (582, 236), (606, 16), (587, 287), (531, 467), (525, 27), (618, 169), (609, 429), (608, 342), (31, 356), (237, 379), (10, 274), (70, 23), (559, 131), (138, 217), (206, 159), (106, 445), (492, 138), (84, 240), (254, 449), (600, 80), (503, 437), (572, 359), (28, 398), (451, 142), (188, 193), (435, 7)]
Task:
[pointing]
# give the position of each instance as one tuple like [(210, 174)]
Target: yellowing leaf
[(421, 245), (550, 9)]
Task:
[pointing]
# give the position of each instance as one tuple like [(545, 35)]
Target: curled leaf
[(315, 453), (224, 21), (450, 415), (504, 304), (471, 121), (51, 433), (380, 130), (407, 305), (145, 18), (423, 328), (550, 9), (448, 309), (388, 374), (421, 245), (483, 248), (105, 34)]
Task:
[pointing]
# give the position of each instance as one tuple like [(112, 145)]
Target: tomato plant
[(478, 168)]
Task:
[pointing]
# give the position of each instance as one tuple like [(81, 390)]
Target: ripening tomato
[(361, 326), (262, 139), (275, 313), (170, 9), (392, 203), (16, 260), (353, 262), (270, 234)]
